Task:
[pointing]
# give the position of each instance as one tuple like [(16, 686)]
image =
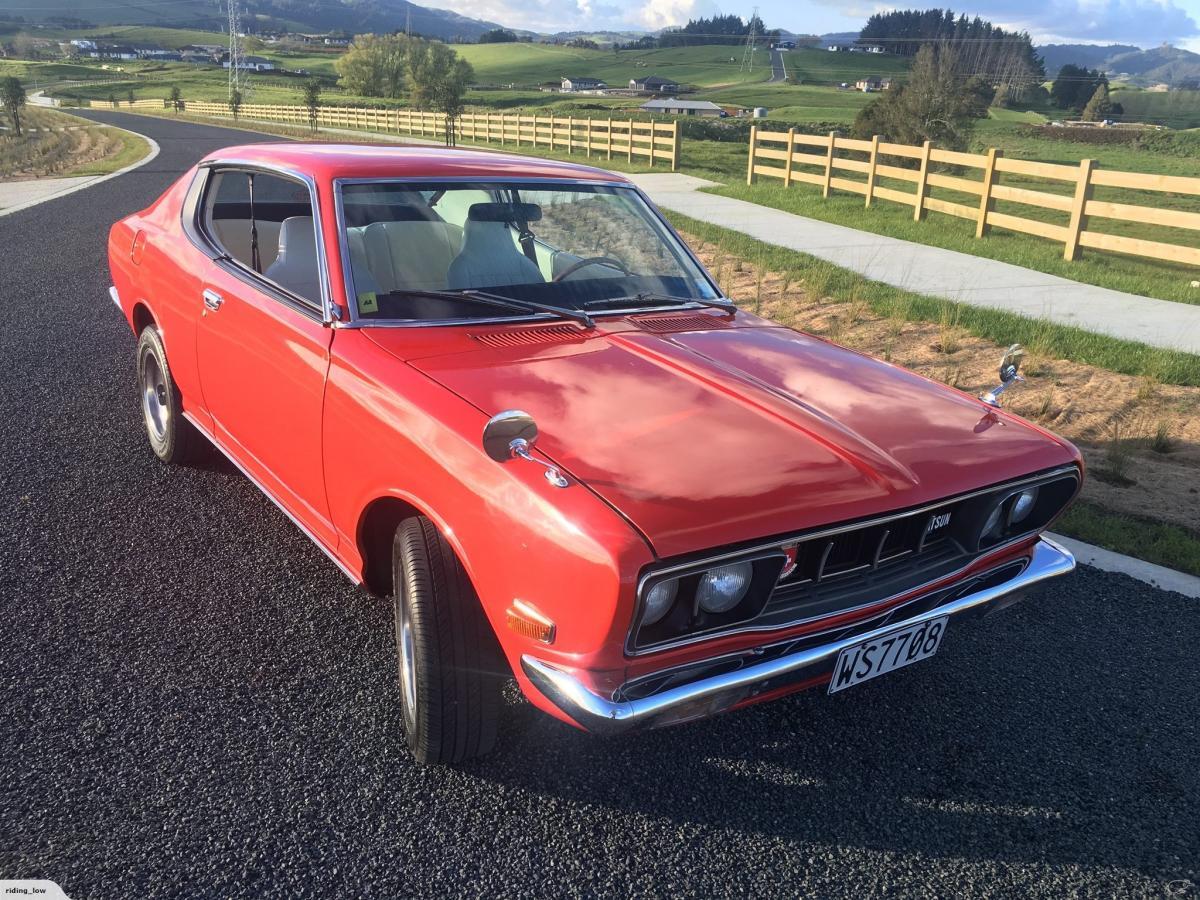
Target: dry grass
[(57, 145)]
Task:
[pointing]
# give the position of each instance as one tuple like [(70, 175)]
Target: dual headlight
[(718, 591)]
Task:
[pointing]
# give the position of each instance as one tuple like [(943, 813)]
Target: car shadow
[(1044, 733)]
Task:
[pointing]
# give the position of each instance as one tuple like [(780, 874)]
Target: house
[(653, 84), (837, 48), (253, 64), (873, 48), (83, 44), (112, 53), (872, 84), (570, 85), (672, 107)]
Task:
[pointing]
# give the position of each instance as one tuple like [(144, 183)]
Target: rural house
[(672, 107), (653, 84), (582, 84), (873, 83)]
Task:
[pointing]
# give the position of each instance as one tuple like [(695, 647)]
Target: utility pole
[(235, 49), (408, 21), (748, 56)]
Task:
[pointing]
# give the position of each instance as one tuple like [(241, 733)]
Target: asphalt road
[(197, 703), (778, 68)]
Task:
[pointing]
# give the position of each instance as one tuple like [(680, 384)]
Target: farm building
[(672, 107)]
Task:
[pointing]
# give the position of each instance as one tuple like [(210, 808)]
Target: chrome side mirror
[(1010, 374), (511, 435)]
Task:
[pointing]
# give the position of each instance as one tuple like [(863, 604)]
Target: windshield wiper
[(644, 298), (489, 299)]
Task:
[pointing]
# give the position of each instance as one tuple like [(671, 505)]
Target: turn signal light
[(528, 622)]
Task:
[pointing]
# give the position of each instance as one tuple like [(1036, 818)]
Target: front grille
[(861, 565)]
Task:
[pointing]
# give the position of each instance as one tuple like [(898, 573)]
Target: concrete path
[(939, 273)]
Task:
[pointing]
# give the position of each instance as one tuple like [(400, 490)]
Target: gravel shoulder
[(197, 703)]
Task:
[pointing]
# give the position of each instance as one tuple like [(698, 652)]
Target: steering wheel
[(591, 261)]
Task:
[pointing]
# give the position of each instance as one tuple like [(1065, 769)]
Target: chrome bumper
[(114, 296), (707, 696)]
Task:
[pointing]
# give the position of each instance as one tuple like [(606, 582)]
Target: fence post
[(676, 146), (1083, 193), (922, 182), (753, 148), (610, 124), (787, 165), (588, 132), (571, 135), (872, 167), (986, 203), (829, 164), (631, 144)]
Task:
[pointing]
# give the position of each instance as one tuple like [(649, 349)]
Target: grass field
[(1175, 109), (83, 148)]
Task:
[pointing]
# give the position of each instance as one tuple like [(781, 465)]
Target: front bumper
[(712, 694)]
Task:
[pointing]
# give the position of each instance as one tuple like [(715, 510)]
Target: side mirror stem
[(519, 449)]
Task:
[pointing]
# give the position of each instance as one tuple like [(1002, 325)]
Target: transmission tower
[(235, 49), (751, 35)]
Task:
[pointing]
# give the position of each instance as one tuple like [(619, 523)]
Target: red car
[(505, 393)]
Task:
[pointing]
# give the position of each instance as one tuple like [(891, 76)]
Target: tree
[(374, 65), (1074, 86), (176, 98), (235, 102), (312, 101), (1099, 107), (438, 79), (12, 97), (936, 104), (498, 36)]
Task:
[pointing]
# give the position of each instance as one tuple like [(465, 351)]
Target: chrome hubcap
[(154, 398), (408, 665)]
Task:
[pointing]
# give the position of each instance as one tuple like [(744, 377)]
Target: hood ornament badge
[(1009, 375)]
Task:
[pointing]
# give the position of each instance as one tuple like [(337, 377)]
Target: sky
[(1146, 23)]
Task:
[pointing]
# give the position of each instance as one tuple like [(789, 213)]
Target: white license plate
[(892, 651)]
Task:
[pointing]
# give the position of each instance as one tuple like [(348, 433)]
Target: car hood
[(714, 437)]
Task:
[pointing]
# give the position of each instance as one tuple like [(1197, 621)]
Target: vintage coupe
[(505, 393)]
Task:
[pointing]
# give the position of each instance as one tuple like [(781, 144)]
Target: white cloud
[(657, 14)]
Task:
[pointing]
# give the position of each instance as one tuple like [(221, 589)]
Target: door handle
[(213, 300)]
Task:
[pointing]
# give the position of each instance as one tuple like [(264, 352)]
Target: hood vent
[(669, 323), (555, 334)]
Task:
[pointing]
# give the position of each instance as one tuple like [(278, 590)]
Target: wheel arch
[(141, 317)]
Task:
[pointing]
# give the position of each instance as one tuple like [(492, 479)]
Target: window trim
[(325, 309), (348, 276)]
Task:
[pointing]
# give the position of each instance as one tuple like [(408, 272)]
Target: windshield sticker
[(368, 302)]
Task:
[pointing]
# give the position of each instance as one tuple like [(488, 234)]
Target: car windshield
[(418, 251)]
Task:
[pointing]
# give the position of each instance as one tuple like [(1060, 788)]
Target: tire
[(172, 437), (450, 665)]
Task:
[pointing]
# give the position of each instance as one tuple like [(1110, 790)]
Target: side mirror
[(503, 429), (511, 435), (1010, 365)]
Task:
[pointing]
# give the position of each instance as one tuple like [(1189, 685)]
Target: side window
[(265, 222)]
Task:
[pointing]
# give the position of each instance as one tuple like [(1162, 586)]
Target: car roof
[(328, 161)]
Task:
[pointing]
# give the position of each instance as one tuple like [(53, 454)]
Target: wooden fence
[(125, 104), (628, 139), (814, 159)]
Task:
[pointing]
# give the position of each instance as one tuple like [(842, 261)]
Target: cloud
[(1144, 22), (657, 14)]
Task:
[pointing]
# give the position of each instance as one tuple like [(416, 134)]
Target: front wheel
[(172, 437), (450, 664)]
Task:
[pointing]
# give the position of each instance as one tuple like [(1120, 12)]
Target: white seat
[(409, 255), (360, 267), (295, 266), (490, 258), (234, 235)]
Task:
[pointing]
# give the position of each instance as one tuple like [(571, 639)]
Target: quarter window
[(265, 223)]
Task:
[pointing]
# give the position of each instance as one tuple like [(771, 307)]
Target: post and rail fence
[(814, 159), (610, 138)]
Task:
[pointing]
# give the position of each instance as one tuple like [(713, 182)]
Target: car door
[(263, 341)]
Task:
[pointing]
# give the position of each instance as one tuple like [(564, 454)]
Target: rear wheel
[(172, 437), (450, 666)]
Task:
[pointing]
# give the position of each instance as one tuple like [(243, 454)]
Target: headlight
[(1023, 505), (659, 600), (721, 589)]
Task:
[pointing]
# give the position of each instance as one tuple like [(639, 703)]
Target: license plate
[(892, 651)]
